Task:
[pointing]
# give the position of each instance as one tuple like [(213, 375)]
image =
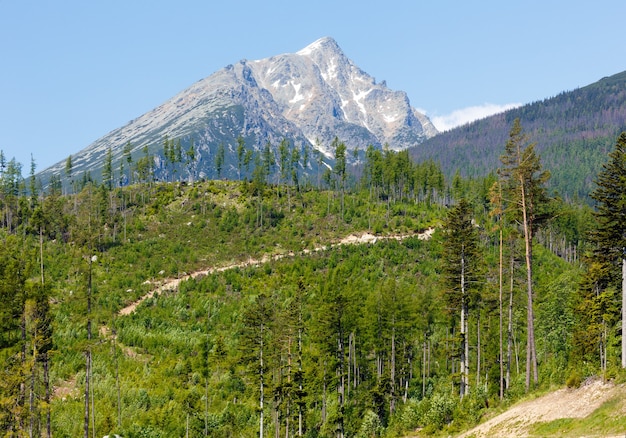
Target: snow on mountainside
[(308, 97), (325, 94)]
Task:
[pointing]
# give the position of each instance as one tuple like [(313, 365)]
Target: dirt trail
[(563, 403), (353, 239), (67, 388)]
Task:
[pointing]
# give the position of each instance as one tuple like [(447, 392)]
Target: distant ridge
[(574, 131)]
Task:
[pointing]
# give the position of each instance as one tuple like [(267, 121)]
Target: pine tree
[(340, 167), (32, 179), (268, 161), (168, 153), (248, 158), (241, 151), (68, 171), (129, 161), (461, 256), (219, 160), (107, 170), (524, 181), (495, 198), (283, 160), (257, 328), (191, 159), (610, 235)]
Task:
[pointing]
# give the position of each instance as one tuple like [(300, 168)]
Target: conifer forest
[(372, 297)]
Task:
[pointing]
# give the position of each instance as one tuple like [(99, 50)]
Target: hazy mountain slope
[(308, 97), (574, 131)]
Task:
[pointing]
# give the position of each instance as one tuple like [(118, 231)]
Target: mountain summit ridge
[(308, 97)]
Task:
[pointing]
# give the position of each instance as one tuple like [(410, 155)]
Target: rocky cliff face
[(326, 95), (308, 98)]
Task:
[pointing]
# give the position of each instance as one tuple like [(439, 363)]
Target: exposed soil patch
[(563, 403), (65, 389)]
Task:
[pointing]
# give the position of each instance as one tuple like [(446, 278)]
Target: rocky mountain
[(573, 132), (308, 98)]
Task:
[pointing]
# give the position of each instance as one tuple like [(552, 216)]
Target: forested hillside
[(574, 131), (283, 330)]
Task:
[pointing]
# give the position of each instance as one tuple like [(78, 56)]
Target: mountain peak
[(308, 97), (322, 45)]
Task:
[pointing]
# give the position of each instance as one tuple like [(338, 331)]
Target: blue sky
[(71, 71)]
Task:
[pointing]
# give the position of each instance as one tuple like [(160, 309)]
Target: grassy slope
[(211, 225)]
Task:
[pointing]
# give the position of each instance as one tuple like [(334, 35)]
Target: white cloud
[(469, 114)]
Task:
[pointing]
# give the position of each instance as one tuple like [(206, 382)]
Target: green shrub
[(441, 410), (574, 379), (371, 426)]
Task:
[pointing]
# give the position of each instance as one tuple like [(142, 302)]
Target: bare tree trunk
[(428, 343), (45, 360), (350, 341), (624, 312), (88, 352), (324, 396), (22, 395), (87, 370), (466, 340), (342, 382), (478, 349), (261, 400), (510, 328), (355, 374), (41, 254), (531, 352), (46, 382), (424, 370), (31, 400), (206, 406), (93, 401), (300, 408), (407, 374), (464, 344), (288, 408), (392, 398), (500, 281), (117, 381)]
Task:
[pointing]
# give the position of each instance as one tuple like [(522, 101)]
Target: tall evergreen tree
[(191, 159), (495, 198), (68, 171), (129, 161), (219, 160), (283, 160), (340, 167), (525, 184), (107, 170), (268, 160), (257, 327), (610, 235), (241, 152), (32, 179), (461, 262)]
